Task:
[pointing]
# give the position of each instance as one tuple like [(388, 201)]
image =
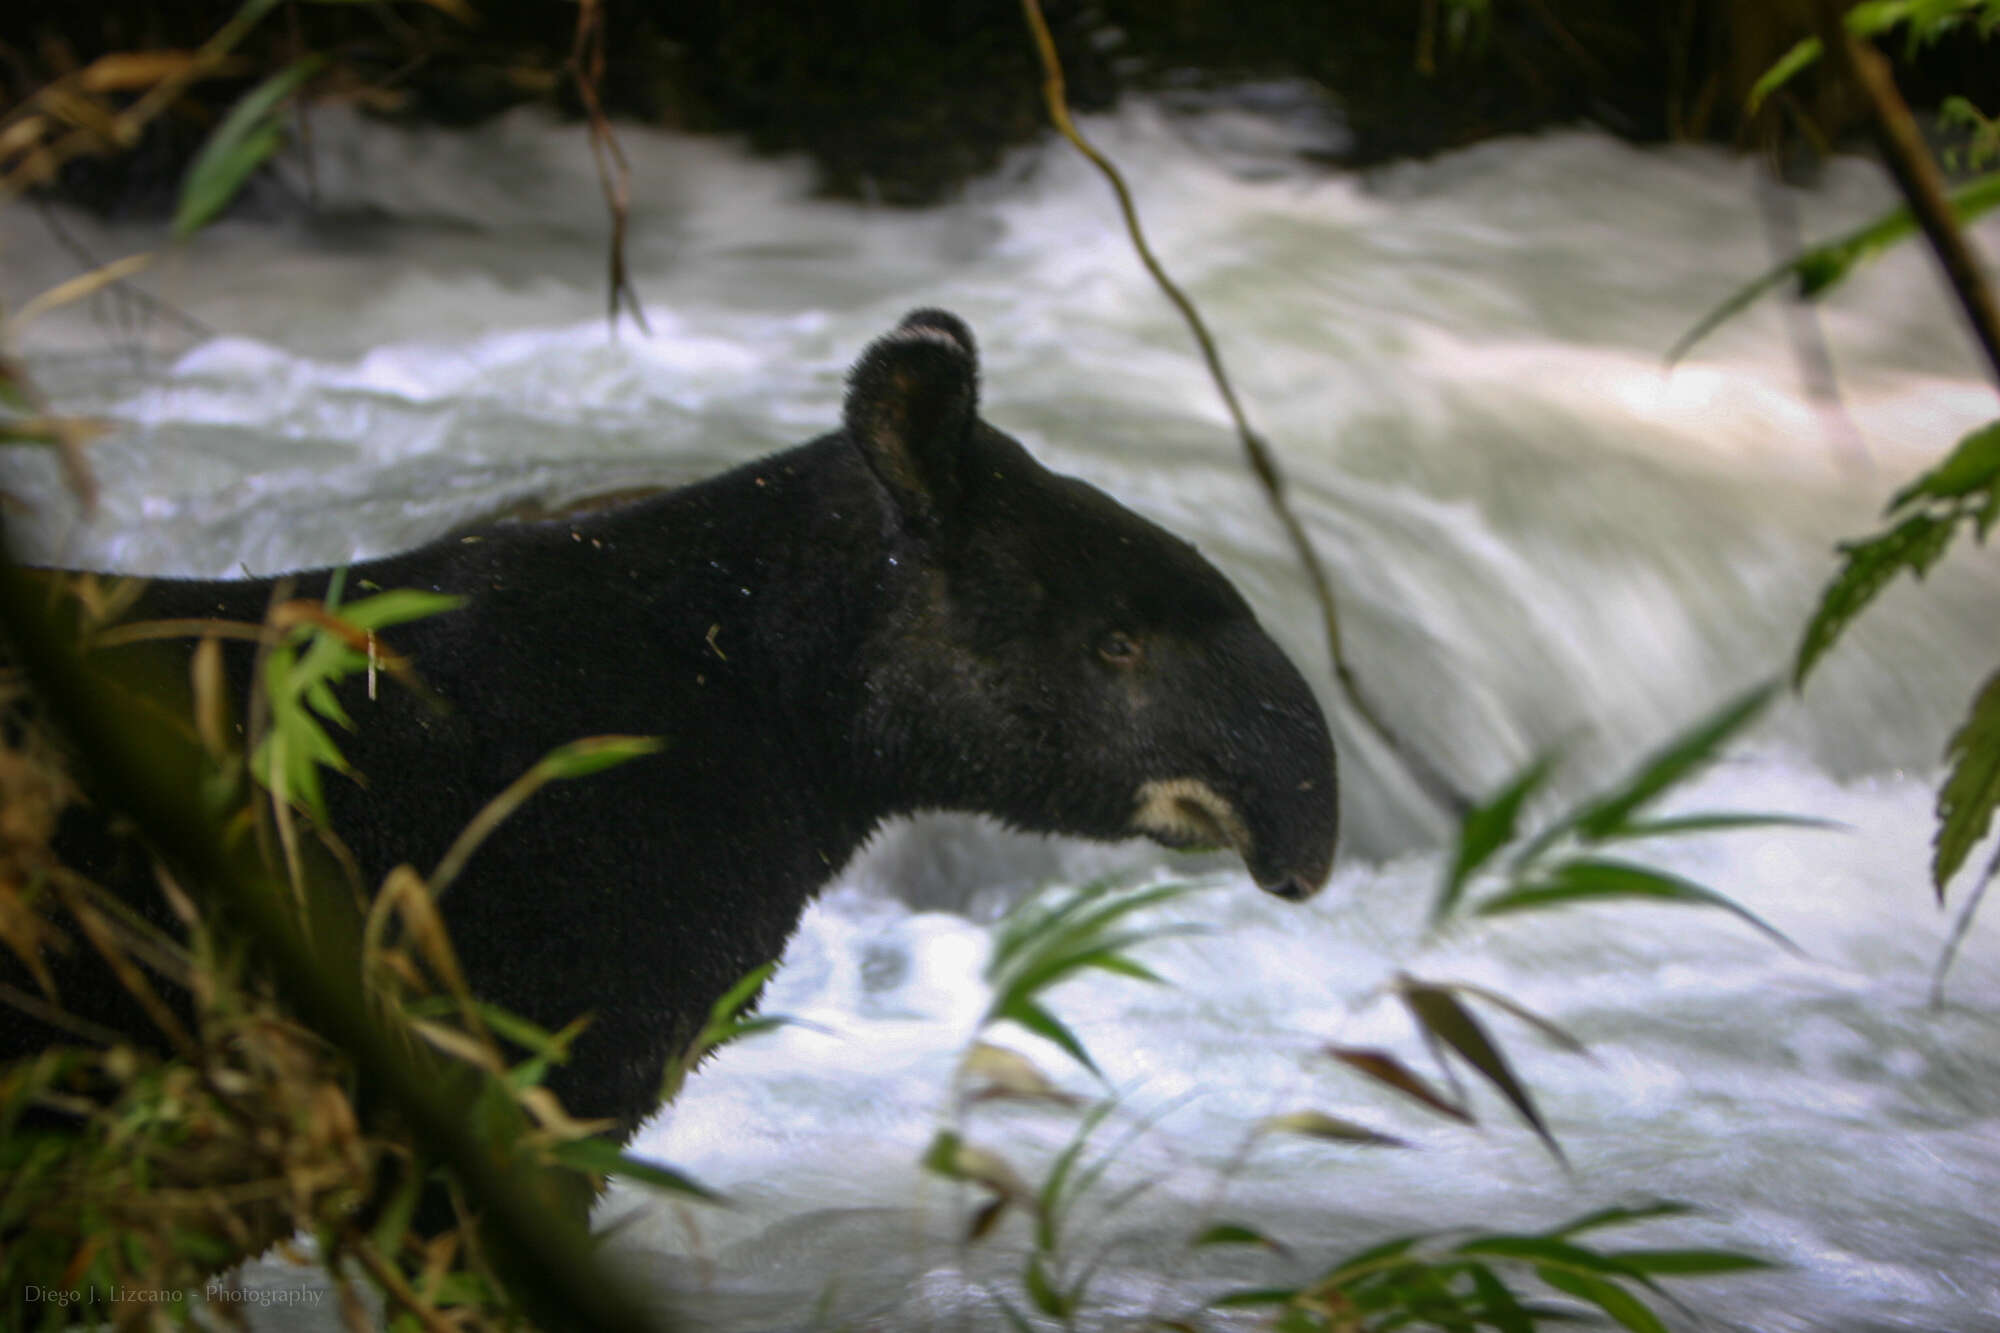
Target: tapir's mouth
[(1187, 813)]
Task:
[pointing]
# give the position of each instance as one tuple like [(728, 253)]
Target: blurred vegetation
[(1962, 493), (276, 1099), (904, 100)]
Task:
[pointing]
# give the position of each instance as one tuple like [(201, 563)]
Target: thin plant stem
[(1263, 462)]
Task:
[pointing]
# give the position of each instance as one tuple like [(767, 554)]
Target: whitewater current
[(1544, 541)]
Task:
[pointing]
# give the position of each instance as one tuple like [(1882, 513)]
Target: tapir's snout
[(1265, 785)]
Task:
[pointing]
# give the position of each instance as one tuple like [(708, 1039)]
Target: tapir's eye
[(1119, 649)]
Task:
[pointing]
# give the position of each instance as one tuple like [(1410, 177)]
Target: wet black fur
[(909, 613)]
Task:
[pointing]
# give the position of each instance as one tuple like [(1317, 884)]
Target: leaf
[(247, 137), (1235, 1233), (1607, 1296), (1444, 1018), (953, 1158), (1621, 1215), (1045, 1024), (1680, 825), (1484, 830), (1253, 1297), (604, 1158), (1042, 1291), (591, 754), (1683, 756), (397, 606), (1971, 790), (1690, 1263), (1802, 54), (1590, 880), (1972, 465), (1821, 267), (1386, 1069), (995, 1073), (1319, 1125), (1914, 544), (1550, 1250), (1497, 1303)]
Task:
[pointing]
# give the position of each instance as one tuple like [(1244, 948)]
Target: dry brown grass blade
[(1263, 463)]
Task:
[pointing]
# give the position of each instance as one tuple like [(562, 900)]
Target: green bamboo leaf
[(1678, 760), (1822, 266), (1803, 53), (1681, 825), (247, 137), (1051, 1201), (397, 606), (1041, 1290), (1971, 791), (1498, 1305), (1689, 1263), (1444, 1019), (1623, 1215), (1607, 1296), (1590, 880), (1379, 1257), (1972, 465), (1484, 830), (1235, 1233), (1914, 544), (594, 754), (1254, 1297), (604, 1158), (1042, 1023), (1550, 1250)]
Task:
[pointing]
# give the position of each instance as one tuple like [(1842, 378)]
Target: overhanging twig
[(1263, 463)]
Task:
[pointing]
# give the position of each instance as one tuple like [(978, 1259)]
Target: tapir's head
[(1055, 660)]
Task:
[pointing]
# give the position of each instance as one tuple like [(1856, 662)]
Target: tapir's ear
[(911, 400)]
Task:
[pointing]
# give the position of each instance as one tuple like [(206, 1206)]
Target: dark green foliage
[(1430, 1281), (1820, 268), (248, 137), (1971, 792), (1533, 880)]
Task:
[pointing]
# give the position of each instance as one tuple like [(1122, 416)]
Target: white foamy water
[(1541, 538)]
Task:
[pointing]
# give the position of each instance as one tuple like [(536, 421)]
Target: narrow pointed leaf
[(244, 141), (1484, 831), (1803, 53), (1689, 1263), (1822, 266), (1386, 1069), (1971, 791), (1042, 1291), (1682, 825), (1497, 1304), (1594, 880), (1914, 544), (1235, 1233), (1972, 466), (1045, 1024), (1607, 1296), (1448, 1021), (1685, 755), (603, 1157), (1319, 1125), (1623, 1215)]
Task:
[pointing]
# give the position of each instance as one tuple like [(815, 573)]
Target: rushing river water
[(1541, 539)]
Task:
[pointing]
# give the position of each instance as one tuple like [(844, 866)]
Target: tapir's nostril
[(1292, 890)]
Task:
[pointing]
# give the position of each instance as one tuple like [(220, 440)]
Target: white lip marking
[(1179, 811)]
